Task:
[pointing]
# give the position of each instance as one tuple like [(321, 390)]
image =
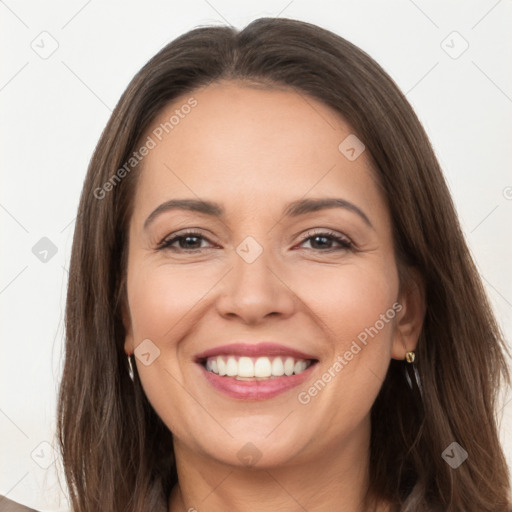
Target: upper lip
[(253, 350)]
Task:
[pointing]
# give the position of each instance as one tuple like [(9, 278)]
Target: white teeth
[(247, 368), (221, 365), (289, 366), (262, 367), (277, 367), (300, 366), (231, 367)]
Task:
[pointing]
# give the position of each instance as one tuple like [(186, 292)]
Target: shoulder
[(7, 505)]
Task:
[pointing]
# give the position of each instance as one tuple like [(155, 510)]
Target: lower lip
[(256, 389)]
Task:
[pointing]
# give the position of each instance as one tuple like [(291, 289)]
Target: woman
[(258, 368)]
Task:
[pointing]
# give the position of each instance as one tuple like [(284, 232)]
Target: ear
[(409, 319)]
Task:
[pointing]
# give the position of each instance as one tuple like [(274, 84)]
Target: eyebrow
[(293, 209)]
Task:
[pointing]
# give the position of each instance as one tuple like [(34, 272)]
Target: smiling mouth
[(256, 368)]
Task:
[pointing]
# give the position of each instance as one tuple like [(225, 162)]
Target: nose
[(255, 288)]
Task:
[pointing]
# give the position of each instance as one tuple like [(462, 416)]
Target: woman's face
[(261, 286)]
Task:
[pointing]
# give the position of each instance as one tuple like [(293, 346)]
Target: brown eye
[(189, 242), (321, 239)]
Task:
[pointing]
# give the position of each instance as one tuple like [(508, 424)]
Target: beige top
[(7, 505)]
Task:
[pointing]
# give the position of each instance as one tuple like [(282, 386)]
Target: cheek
[(356, 309), (163, 300), (161, 296), (350, 299)]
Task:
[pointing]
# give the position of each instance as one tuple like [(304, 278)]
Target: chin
[(248, 448)]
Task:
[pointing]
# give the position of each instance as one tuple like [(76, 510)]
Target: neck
[(337, 479)]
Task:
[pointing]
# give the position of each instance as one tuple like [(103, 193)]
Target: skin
[(254, 150)]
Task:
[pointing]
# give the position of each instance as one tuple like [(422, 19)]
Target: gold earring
[(412, 377)]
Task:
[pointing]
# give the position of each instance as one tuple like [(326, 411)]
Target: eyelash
[(345, 243)]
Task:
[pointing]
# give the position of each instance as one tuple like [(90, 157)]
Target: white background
[(53, 111)]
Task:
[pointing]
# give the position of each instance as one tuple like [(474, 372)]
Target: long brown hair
[(116, 451)]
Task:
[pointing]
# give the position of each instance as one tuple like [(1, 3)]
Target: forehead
[(248, 145)]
